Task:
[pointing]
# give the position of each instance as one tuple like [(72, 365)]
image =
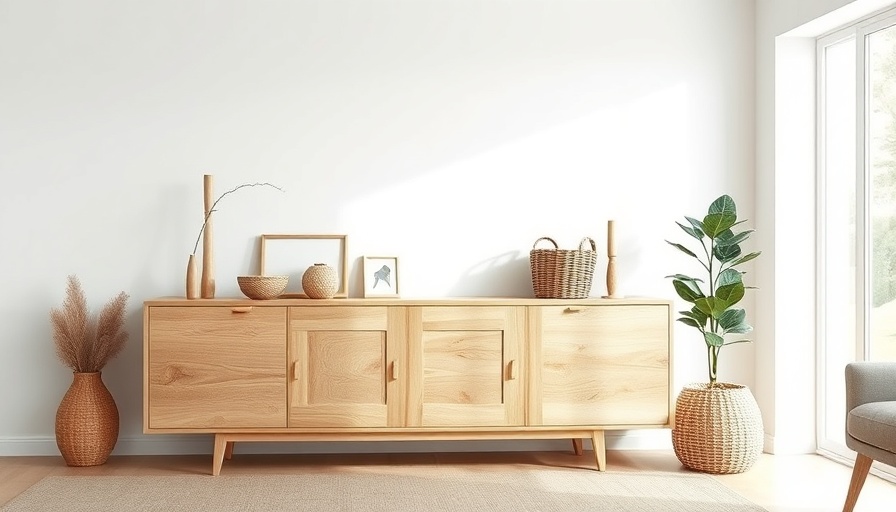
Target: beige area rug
[(430, 489)]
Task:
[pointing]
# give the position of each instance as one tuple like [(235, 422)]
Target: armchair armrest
[(868, 381)]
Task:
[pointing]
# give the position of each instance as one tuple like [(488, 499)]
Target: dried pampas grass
[(82, 343)]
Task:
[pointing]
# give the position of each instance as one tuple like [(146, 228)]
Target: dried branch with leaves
[(85, 344)]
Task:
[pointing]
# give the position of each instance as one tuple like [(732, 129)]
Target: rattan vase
[(87, 421), (320, 281), (718, 429)]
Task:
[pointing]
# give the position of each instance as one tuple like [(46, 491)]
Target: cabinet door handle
[(511, 370), (393, 373), (574, 309), (241, 309), (295, 371)]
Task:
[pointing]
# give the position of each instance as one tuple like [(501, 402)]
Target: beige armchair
[(870, 420)]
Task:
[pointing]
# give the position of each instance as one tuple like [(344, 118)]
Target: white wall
[(450, 133)]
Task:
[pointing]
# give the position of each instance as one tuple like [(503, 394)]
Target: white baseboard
[(776, 445), (201, 444), (768, 443)]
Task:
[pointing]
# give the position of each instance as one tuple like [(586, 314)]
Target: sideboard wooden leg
[(228, 450), (577, 446), (218, 457), (600, 449)]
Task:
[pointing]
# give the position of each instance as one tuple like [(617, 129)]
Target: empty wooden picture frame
[(380, 274), (292, 254)]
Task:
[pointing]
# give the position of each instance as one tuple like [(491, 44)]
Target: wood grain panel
[(346, 367), (346, 318), (214, 368), (466, 366), (463, 367), (603, 365)]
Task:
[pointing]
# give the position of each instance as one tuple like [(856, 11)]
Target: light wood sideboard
[(404, 369)]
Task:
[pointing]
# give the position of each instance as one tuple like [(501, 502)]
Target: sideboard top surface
[(444, 301)]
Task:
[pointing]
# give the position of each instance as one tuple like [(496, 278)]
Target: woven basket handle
[(593, 245), (548, 239)]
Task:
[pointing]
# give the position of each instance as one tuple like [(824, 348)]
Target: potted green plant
[(718, 425)]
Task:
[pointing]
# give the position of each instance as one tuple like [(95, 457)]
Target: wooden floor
[(792, 483)]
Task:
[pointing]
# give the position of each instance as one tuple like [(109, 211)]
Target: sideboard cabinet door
[(216, 367), (466, 366), (604, 365), (346, 366)]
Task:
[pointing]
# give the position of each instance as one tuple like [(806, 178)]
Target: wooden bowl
[(262, 287)]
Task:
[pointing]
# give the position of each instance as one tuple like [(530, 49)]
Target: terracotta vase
[(87, 421)]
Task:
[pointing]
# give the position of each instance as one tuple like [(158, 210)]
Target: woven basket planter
[(717, 429), (86, 421)]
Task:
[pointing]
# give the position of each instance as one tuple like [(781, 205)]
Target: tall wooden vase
[(207, 283), (87, 421)]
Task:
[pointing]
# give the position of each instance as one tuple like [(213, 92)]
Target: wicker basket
[(562, 274), (262, 287), (718, 429)]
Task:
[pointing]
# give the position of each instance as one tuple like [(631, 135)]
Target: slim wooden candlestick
[(207, 284), (611, 260)]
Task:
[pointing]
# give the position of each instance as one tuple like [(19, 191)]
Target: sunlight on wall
[(590, 169)]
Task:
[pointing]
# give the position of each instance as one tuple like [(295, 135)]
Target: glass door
[(856, 212), (881, 163)]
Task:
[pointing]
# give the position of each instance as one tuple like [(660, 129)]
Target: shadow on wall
[(504, 275)]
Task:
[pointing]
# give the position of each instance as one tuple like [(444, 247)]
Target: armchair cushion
[(874, 423)]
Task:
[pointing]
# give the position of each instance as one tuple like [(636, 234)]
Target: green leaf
[(687, 290), (729, 295), (729, 276), (724, 235), (713, 340), (690, 321), (683, 277), (697, 225), (693, 314), (726, 253), (682, 249), (697, 315), (746, 258), (732, 318), (717, 223), (734, 239), (741, 328), (724, 204), (711, 306), (691, 231)]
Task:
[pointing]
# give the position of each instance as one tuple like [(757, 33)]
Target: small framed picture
[(380, 274)]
